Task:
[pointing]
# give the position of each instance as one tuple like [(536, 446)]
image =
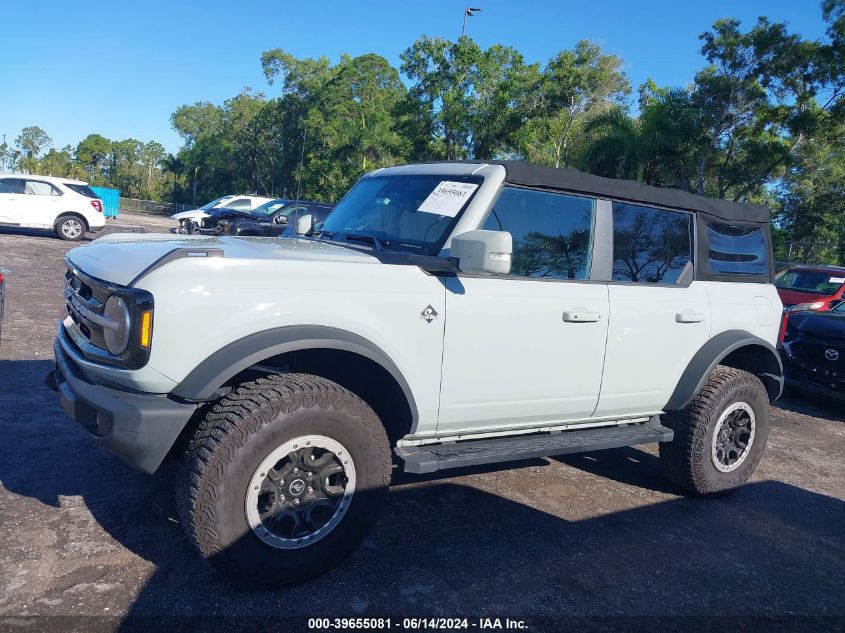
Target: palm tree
[(172, 164), (657, 148)]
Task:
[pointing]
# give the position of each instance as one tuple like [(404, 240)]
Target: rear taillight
[(783, 322), (98, 205)]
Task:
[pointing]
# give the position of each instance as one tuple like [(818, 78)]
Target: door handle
[(689, 316), (581, 315)]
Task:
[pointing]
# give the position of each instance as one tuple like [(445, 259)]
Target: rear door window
[(650, 245), (40, 188), (736, 249), (239, 204)]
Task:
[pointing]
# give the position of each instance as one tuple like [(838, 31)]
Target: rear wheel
[(70, 227), (283, 479), (720, 436)]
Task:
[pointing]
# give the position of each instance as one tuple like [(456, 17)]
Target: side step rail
[(434, 457)]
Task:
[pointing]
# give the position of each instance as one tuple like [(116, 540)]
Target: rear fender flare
[(713, 352)]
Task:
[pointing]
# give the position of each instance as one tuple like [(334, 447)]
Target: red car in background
[(811, 287)]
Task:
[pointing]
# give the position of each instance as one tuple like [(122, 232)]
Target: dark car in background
[(811, 287), (813, 351), (271, 219)]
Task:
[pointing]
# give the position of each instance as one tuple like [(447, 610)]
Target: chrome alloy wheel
[(71, 228), (300, 492), (732, 437)]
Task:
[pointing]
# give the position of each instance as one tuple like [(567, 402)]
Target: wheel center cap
[(297, 487)]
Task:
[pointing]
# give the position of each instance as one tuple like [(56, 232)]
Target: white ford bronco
[(444, 315)]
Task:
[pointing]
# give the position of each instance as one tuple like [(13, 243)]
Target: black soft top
[(574, 181)]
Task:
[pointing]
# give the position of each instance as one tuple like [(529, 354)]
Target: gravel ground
[(597, 534)]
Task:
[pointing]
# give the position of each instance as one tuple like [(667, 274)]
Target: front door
[(526, 350)]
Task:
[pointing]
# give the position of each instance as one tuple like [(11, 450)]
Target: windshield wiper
[(366, 238)]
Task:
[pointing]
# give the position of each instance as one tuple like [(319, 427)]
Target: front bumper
[(801, 379), (140, 428)]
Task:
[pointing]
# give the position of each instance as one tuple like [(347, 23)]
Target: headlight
[(117, 332), (808, 306)]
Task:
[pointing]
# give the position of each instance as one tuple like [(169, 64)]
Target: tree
[(575, 86), (5, 152), (470, 99), (195, 121), (92, 153), (30, 143), (152, 154), (60, 163), (657, 148)]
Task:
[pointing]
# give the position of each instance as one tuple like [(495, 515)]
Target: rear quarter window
[(735, 249), (83, 190)]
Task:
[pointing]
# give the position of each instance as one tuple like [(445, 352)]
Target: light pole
[(469, 12)]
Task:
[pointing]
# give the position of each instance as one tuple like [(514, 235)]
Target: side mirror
[(280, 219), (304, 224), (483, 252)]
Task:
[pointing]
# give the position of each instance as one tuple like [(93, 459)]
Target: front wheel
[(69, 227), (283, 479), (719, 436)]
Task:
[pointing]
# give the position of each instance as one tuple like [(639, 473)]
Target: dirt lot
[(597, 534)]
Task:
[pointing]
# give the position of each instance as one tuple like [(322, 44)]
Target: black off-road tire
[(687, 460), (70, 227), (239, 432)]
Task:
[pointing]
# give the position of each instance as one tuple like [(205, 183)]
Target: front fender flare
[(211, 374), (713, 352)]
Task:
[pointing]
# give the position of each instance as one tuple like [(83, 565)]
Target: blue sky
[(120, 68)]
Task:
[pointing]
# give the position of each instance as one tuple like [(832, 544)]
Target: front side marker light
[(146, 335)]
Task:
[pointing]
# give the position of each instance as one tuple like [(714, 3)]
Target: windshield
[(813, 281), (269, 208), (210, 205), (413, 212)]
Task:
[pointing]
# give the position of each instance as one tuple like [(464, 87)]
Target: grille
[(814, 356), (85, 303)]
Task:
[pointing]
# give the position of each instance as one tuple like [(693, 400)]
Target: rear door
[(11, 191), (526, 350), (40, 205), (659, 316)]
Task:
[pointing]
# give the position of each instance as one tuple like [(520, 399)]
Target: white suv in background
[(68, 207), (187, 219)]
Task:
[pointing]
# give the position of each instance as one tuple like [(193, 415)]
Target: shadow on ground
[(798, 402), (45, 233), (446, 548)]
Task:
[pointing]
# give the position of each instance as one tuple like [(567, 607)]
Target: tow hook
[(51, 380)]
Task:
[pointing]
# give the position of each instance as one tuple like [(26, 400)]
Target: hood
[(194, 214), (822, 324), (794, 297), (121, 257)]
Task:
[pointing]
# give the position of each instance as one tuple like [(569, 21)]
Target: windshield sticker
[(448, 198), (837, 280)]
